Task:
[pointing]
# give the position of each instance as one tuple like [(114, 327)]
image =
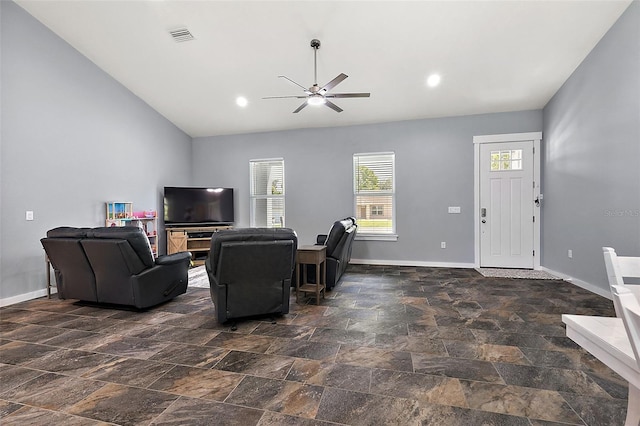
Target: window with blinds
[(374, 192), (267, 193)]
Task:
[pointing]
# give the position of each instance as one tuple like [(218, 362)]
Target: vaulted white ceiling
[(493, 56)]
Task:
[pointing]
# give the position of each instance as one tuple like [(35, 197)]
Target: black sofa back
[(250, 271), (64, 249), (113, 265)]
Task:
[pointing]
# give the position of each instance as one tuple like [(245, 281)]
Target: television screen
[(189, 206)]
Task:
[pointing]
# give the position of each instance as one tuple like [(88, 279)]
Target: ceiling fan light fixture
[(316, 100)]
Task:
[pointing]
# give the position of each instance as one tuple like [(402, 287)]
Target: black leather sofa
[(114, 265), (338, 241), (250, 271)]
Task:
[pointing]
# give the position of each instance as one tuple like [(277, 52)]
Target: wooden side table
[(311, 255)]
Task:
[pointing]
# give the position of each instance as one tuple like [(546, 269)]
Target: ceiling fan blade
[(304, 104), (333, 106), (284, 97), (333, 83), (306, 89), (348, 95)]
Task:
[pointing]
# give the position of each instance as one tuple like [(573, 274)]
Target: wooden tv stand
[(195, 239)]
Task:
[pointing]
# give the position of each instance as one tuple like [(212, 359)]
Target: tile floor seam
[(151, 421), (574, 410)]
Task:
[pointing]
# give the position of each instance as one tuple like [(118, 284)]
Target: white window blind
[(374, 192), (267, 193)]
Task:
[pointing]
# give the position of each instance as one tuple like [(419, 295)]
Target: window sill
[(376, 237)]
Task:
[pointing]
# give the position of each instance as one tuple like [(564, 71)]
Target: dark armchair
[(114, 265), (250, 271)]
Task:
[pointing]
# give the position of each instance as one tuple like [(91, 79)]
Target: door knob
[(484, 220)]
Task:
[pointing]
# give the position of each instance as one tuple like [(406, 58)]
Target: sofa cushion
[(67, 232), (333, 237), (135, 236), (337, 231), (66, 254)]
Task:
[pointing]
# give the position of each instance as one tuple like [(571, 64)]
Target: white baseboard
[(25, 296), (411, 263), (582, 284)]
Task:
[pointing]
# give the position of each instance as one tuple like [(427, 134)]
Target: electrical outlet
[(454, 209), (29, 215), (443, 244), (570, 253)]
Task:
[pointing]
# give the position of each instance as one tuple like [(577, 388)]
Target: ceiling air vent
[(181, 34)]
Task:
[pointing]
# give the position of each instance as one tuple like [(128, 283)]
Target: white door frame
[(536, 137)]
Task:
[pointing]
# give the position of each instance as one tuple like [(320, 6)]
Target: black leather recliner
[(114, 265), (250, 271), (338, 242)]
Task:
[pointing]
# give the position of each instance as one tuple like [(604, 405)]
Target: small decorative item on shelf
[(119, 210), (122, 214)]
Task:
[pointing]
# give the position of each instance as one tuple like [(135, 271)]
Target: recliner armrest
[(174, 258), (321, 239)]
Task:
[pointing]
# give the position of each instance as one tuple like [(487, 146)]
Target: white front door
[(507, 204)]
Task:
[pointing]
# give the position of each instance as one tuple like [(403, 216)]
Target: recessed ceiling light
[(433, 80), (242, 101)]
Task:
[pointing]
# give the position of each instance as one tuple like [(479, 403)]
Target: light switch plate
[(29, 215), (455, 209)]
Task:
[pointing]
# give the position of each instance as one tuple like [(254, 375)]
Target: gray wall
[(434, 170), (72, 138), (591, 166)]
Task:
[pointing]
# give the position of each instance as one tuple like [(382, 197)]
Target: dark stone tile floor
[(389, 345)]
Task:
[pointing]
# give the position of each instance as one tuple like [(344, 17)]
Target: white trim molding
[(508, 137), (376, 237), (25, 296), (579, 283), (417, 263), (536, 137)]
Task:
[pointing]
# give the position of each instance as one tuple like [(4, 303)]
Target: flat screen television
[(198, 206)]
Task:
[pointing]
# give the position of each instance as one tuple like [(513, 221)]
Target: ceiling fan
[(316, 95)]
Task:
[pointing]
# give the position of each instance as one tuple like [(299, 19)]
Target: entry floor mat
[(516, 273)]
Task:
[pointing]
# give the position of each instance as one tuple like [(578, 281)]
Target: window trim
[(253, 197), (389, 236)]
